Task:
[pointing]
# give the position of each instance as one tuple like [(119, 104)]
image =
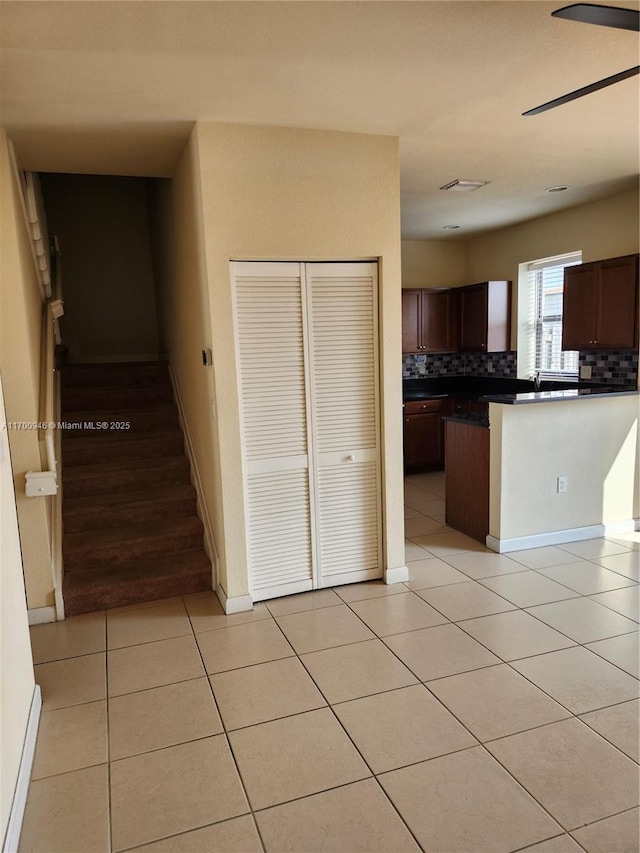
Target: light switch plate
[(585, 371)]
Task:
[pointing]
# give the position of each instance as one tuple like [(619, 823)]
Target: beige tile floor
[(489, 704)]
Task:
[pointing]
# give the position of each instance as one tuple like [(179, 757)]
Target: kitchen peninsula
[(502, 481)]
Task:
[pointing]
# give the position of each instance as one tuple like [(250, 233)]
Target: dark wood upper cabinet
[(438, 330), (429, 321), (485, 317), (411, 319), (579, 304), (600, 305)]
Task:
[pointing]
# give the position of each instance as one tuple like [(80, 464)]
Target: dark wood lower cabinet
[(467, 478), (423, 437)]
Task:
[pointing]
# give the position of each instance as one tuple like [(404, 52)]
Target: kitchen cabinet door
[(411, 321), (617, 313), (473, 318), (423, 446), (485, 317), (579, 305), (600, 305), (437, 325)]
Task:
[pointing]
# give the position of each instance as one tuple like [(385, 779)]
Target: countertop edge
[(550, 397)]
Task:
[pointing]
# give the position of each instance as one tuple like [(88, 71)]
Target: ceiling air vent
[(460, 186)]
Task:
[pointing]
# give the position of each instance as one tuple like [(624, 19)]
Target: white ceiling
[(114, 87)]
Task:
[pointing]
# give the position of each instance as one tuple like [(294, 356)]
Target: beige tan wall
[(533, 445), (20, 331), (434, 263), (185, 316), (286, 193), (16, 666), (102, 226), (603, 229)]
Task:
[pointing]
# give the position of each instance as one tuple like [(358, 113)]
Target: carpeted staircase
[(131, 533)]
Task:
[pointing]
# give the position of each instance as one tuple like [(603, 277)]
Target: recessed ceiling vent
[(460, 186)]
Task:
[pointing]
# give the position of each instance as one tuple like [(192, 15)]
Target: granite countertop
[(506, 391)]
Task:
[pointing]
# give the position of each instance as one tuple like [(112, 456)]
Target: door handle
[(350, 458)]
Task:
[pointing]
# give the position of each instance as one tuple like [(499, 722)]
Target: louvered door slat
[(343, 320), (270, 341)]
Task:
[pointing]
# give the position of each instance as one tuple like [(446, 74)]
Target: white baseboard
[(203, 513), (398, 575), (239, 604), (117, 359), (559, 537), (40, 615), (16, 815)]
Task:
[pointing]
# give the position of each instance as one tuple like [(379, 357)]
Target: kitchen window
[(540, 319)]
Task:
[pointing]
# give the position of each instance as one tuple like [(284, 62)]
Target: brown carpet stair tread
[(128, 507), (131, 532), (79, 399), (115, 375), (140, 419), (120, 445), (82, 472), (137, 581), (147, 496), (118, 544)]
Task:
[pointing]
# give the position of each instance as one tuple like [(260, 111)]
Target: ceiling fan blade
[(586, 90), (605, 16)]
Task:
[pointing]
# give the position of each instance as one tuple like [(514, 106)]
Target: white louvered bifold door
[(273, 392), (343, 343)]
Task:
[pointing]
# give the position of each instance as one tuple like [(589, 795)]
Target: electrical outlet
[(489, 367), (585, 371), (562, 485)]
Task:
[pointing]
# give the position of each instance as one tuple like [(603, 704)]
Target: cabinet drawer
[(419, 407)]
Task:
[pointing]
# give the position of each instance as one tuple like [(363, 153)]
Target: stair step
[(113, 510), (136, 582), (98, 398), (76, 424), (142, 373), (114, 546), (118, 444), (124, 476)]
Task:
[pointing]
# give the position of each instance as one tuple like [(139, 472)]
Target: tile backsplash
[(499, 364), (619, 367)]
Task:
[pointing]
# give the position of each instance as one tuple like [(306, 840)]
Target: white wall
[(594, 443), (16, 665), (276, 193), (102, 226)]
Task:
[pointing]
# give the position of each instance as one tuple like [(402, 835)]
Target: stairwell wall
[(20, 342), (101, 223), (177, 239)]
